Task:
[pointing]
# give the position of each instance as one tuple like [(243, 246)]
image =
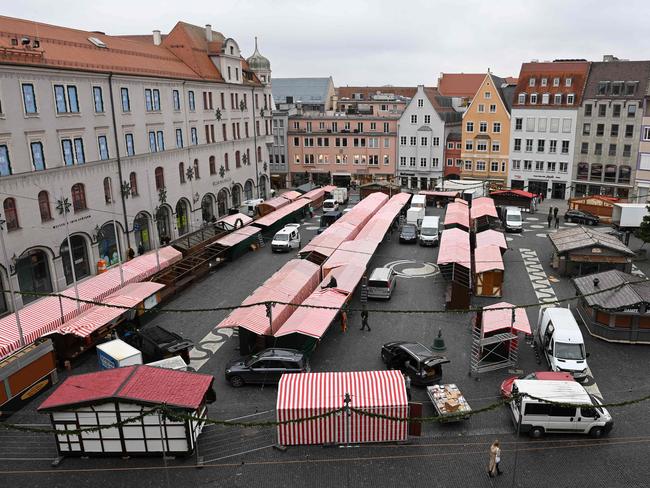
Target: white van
[(286, 239), (330, 205), (561, 341), (249, 207), (381, 283), (340, 195), (430, 231), (511, 218), (419, 201), (537, 416), (415, 215)]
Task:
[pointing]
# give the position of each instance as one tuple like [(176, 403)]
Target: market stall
[(449, 403), (488, 271), (113, 395), (598, 205), (483, 214), (492, 237), (271, 205), (455, 261), (457, 216), (439, 198), (524, 200), (309, 394), (291, 213)]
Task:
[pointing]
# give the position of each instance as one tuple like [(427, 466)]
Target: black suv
[(409, 233), (580, 217), (266, 366), (157, 343), (415, 360)]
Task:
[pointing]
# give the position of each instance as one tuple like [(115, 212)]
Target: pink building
[(340, 148)]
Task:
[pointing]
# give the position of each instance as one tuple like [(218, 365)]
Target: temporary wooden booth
[(455, 261), (115, 395), (514, 198), (618, 315), (599, 205), (488, 271)]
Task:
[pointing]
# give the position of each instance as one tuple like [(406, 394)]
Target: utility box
[(117, 353)]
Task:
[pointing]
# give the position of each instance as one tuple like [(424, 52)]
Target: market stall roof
[(139, 384), (494, 320), (358, 252), (491, 237), (378, 225), (326, 243), (291, 195), (314, 322), (446, 194), (232, 221), (487, 258), (97, 316), (580, 237), (329, 188), (45, 315), (483, 206), (454, 248), (629, 291), (270, 219), (238, 235), (515, 193), (314, 194), (457, 214), (292, 283), (364, 210)]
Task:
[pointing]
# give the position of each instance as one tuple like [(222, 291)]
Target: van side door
[(563, 419)]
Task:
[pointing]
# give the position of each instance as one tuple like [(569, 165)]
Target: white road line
[(237, 454), (251, 415)]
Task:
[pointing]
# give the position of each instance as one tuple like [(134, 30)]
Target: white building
[(543, 127), (422, 132), (123, 128)]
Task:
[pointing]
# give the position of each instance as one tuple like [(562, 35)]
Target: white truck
[(117, 353), (511, 219), (415, 215), (561, 342), (340, 195), (628, 216)]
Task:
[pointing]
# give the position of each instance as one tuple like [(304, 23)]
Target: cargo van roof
[(566, 327), (555, 391)]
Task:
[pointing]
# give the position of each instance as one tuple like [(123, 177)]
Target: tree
[(643, 232)]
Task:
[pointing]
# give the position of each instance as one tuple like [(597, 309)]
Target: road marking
[(545, 293), (208, 346), (238, 454), (417, 269)]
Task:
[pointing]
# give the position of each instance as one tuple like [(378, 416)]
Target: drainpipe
[(119, 160), (257, 175)]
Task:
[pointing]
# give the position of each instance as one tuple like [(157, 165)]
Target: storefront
[(182, 217), (107, 244), (141, 232), (222, 202), (79, 256), (163, 222), (33, 270)]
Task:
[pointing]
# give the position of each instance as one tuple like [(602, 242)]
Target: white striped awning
[(309, 394)]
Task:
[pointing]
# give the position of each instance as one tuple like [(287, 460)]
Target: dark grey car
[(415, 360), (266, 367)]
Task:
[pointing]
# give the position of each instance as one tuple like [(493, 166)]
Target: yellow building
[(486, 131)]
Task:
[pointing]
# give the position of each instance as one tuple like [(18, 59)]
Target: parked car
[(408, 234), (287, 238), (266, 367), (330, 205), (506, 386), (157, 343), (416, 361), (328, 219), (581, 217), (381, 283)]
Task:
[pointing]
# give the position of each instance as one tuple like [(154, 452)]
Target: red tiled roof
[(139, 384), (577, 70), (403, 91), (460, 84)]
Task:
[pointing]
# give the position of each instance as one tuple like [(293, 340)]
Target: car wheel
[(236, 381), (596, 432), (536, 432)]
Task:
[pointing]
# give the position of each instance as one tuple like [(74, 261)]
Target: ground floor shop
[(581, 189), (556, 189), (415, 181)]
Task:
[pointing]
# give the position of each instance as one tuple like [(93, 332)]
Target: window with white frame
[(544, 81), (194, 136), (412, 161), (413, 141), (130, 145), (487, 95), (516, 164), (481, 145), (450, 145), (646, 133), (481, 108), (420, 102), (521, 99), (550, 166), (424, 141), (469, 145), (563, 167), (541, 124), (555, 124), (435, 162), (496, 127), (179, 138), (565, 147), (566, 125), (482, 127), (568, 81), (494, 166), (545, 98), (102, 143), (29, 98), (556, 81), (496, 146), (459, 163), (427, 119), (423, 162), (469, 126), (528, 165), (531, 81), (468, 165), (557, 99), (414, 119), (533, 98), (402, 160), (530, 124), (435, 141), (66, 99), (480, 165), (402, 140), (529, 145), (541, 143), (98, 99), (517, 145), (38, 155), (519, 121), (539, 165), (386, 160), (552, 146), (450, 162), (570, 99), (493, 108)]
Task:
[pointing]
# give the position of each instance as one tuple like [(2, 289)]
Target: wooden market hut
[(488, 271), (599, 205)]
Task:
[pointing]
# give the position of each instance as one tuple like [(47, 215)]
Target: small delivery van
[(511, 218), (287, 238), (381, 283), (563, 407), (419, 201), (414, 215), (330, 205), (249, 207), (430, 231)]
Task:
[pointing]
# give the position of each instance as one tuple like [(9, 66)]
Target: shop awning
[(239, 235), (97, 316), (494, 320), (487, 258), (454, 248), (491, 237)]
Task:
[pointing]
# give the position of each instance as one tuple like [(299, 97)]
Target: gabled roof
[(576, 70), (631, 290), (618, 71), (580, 237), (506, 90), (305, 90), (442, 106), (139, 384)]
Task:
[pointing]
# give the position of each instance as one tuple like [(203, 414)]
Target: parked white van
[(330, 205), (415, 215), (511, 218), (430, 231), (287, 238), (249, 207), (381, 283), (561, 341), (419, 201), (537, 416)]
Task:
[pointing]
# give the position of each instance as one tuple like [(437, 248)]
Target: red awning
[(329, 188), (364, 210), (494, 320), (239, 235), (98, 316), (454, 248), (308, 394), (487, 258), (491, 237), (358, 252), (519, 193), (326, 243), (380, 223)]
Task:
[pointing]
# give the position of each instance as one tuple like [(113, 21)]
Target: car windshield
[(513, 218), (408, 229), (564, 350), (251, 360), (281, 237)]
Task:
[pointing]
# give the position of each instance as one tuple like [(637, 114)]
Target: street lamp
[(11, 286)]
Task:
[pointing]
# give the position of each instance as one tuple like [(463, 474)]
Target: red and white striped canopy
[(308, 394)]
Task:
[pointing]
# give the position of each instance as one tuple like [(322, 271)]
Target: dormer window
[(630, 87), (531, 82), (522, 99), (603, 87), (544, 81), (556, 81), (568, 81), (533, 98), (558, 99)]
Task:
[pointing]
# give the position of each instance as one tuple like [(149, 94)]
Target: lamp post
[(11, 286), (63, 206)]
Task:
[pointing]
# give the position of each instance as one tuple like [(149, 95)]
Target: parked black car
[(409, 233), (266, 366), (415, 360), (580, 217), (157, 343)]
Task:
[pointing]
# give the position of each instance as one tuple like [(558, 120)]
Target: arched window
[(181, 172), (160, 178), (133, 183), (225, 162), (78, 197), (213, 166), (107, 191), (237, 159), (197, 175), (44, 206), (248, 190), (259, 153), (11, 214), (79, 256)]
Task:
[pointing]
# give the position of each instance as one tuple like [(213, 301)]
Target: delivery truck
[(628, 216), (414, 216), (117, 353)]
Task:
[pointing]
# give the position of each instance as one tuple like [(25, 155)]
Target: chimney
[(157, 38), (208, 32)]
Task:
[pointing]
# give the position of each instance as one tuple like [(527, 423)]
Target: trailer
[(449, 402), (628, 216)]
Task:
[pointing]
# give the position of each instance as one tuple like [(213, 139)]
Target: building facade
[(339, 148), (423, 129), (373, 100), (486, 132), (453, 150), (279, 156), (543, 126), (142, 138), (610, 128), (642, 187)]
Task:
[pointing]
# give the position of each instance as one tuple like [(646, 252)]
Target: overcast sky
[(362, 42)]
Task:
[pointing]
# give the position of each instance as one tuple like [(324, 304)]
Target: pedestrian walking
[(344, 321), (311, 212), (495, 459), (555, 212), (549, 219), (364, 320), (557, 221)]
